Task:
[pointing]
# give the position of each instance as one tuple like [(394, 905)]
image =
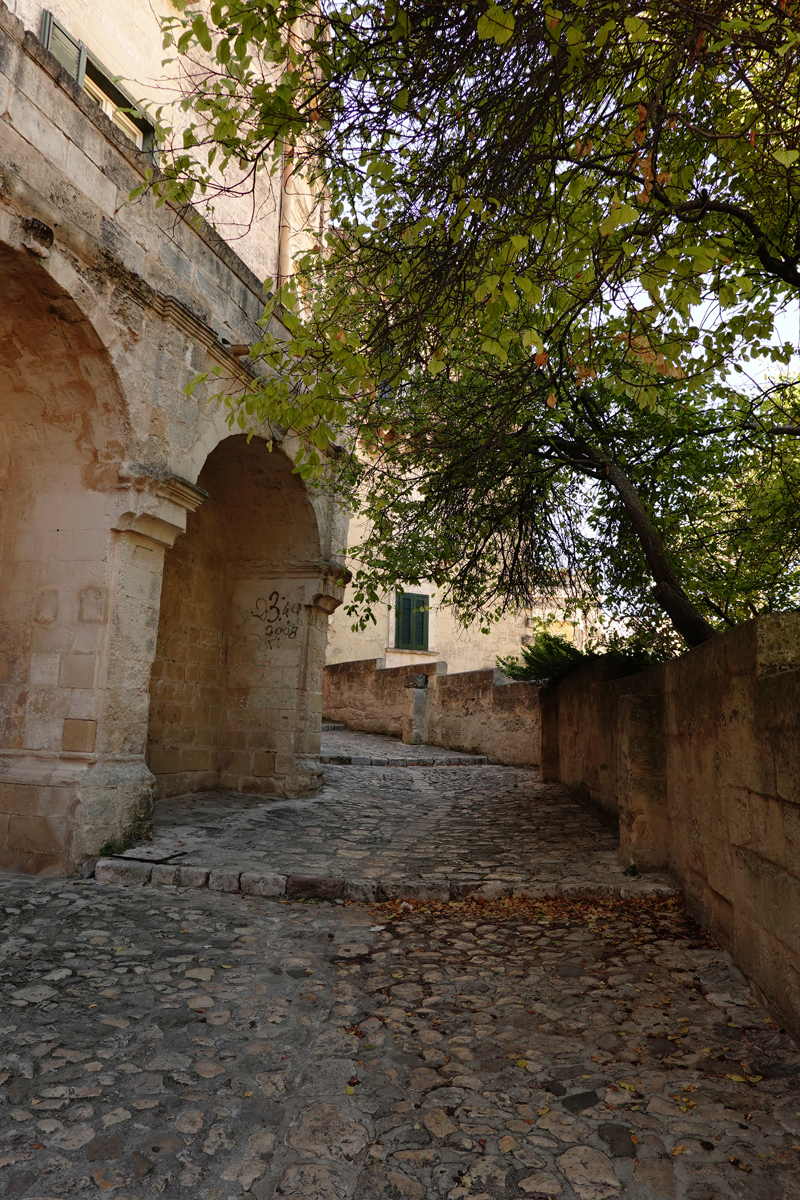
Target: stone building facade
[(165, 583), (413, 627)]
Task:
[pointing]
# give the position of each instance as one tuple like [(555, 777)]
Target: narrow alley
[(476, 1005)]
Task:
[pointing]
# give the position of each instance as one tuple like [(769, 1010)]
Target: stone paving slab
[(374, 834), (176, 1042)]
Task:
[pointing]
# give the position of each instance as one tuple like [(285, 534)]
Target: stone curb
[(360, 760), (365, 891)]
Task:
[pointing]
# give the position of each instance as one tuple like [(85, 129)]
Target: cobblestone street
[(585, 1041), (375, 832)]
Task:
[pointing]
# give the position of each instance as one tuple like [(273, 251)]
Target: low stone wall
[(483, 712), (699, 758), (480, 712), (366, 698), (580, 741)]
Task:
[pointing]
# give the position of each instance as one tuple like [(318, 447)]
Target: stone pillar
[(642, 783), (273, 694), (115, 798), (414, 717), (78, 779)]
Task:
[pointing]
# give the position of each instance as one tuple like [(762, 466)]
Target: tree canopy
[(559, 239)]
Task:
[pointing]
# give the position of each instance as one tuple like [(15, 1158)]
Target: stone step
[(274, 885), (362, 760)]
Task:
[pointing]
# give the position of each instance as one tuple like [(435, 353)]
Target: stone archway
[(235, 698), (62, 430)]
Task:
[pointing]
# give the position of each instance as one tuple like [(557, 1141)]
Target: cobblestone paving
[(375, 833), (343, 745), (178, 1042)]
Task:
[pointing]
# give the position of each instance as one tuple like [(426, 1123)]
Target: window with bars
[(411, 622), (97, 82)]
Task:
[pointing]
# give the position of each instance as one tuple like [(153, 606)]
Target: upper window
[(97, 82), (411, 622)]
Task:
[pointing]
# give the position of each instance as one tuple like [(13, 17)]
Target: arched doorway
[(61, 442), (231, 701)]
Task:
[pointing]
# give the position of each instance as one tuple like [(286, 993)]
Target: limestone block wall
[(480, 712), (701, 759), (233, 630), (373, 700), (483, 712), (581, 731), (127, 38)]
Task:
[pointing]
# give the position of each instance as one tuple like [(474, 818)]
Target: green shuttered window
[(68, 50), (94, 78), (411, 622)]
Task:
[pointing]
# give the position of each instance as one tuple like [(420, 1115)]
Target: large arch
[(235, 697), (62, 434)]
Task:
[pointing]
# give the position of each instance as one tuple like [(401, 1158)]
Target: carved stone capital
[(333, 581), (158, 503)]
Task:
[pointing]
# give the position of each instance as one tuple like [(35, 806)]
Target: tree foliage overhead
[(555, 233)]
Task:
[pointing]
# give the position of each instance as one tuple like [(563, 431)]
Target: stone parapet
[(478, 712), (367, 697), (484, 712)]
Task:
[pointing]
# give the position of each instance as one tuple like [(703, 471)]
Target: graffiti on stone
[(268, 624)]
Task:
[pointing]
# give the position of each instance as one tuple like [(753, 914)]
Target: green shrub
[(551, 658)]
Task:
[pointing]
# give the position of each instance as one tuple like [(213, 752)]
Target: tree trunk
[(687, 619)]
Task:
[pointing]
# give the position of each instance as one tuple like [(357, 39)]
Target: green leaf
[(497, 24), (603, 34), (201, 32), (531, 337), (636, 28), (193, 383), (787, 158), (490, 346)]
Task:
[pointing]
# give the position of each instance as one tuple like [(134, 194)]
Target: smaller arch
[(229, 682)]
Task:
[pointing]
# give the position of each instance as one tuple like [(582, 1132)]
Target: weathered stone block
[(263, 764), (164, 762), (164, 874), (318, 887), (90, 179), (19, 799), (77, 671), (36, 835), (122, 870), (194, 877), (193, 759), (222, 880), (36, 129), (362, 891), (256, 884)]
